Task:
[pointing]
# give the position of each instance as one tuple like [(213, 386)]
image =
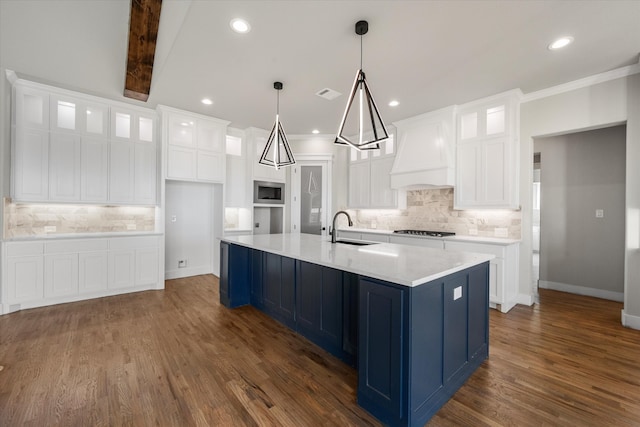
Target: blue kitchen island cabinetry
[(413, 342)]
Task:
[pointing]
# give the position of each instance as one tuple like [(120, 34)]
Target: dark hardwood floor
[(177, 358)]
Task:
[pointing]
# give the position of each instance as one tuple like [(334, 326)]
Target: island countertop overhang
[(395, 263)]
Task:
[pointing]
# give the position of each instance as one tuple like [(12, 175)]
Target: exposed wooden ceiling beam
[(143, 33)]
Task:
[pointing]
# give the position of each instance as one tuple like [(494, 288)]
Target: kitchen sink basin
[(355, 242)]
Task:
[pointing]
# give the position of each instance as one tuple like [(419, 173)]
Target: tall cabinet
[(487, 153)]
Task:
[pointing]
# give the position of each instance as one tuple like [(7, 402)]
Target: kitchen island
[(412, 320)]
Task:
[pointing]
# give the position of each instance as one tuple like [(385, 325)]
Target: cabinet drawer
[(120, 243), (83, 245), (498, 251), (25, 248)]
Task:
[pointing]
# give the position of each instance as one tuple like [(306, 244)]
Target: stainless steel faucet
[(333, 225)]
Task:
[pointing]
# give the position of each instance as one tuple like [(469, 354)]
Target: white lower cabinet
[(121, 268), (92, 271), (503, 270), (41, 273), (60, 275)]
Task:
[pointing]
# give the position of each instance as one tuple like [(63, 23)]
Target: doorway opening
[(310, 201), (581, 212)]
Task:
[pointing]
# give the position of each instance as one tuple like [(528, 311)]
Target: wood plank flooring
[(178, 358)]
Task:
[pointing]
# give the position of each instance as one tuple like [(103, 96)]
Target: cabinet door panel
[(468, 168), (330, 325), (121, 169), (495, 172), (359, 185), (288, 292), (31, 167), (92, 271), (478, 310), (211, 136), (181, 163), (382, 195), (32, 108), (273, 273), (146, 266), (145, 174), (308, 297), (64, 167), (94, 170), (256, 278), (380, 349), (224, 273), (60, 275), (210, 166), (26, 278), (121, 269)]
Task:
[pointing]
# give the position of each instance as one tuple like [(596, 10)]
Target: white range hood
[(425, 157)]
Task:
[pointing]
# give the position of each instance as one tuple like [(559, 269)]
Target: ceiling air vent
[(328, 94)]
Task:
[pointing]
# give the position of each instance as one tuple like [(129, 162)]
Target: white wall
[(592, 107), (191, 236), (581, 172), (631, 313)]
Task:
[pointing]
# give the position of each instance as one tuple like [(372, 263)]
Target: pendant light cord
[(361, 51)]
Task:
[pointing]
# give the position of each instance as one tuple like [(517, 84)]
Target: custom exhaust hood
[(426, 151)]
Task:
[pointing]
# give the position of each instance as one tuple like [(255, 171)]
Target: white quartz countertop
[(456, 238), (82, 236), (401, 264)]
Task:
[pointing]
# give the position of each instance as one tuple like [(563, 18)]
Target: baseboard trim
[(525, 299), (582, 290), (629, 321), (187, 272)]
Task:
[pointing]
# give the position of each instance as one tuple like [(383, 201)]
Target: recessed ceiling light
[(394, 103), (240, 25), (315, 131), (560, 43), (206, 101)]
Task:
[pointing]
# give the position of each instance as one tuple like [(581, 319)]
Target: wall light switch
[(599, 213), (457, 293), (473, 231), (374, 225), (49, 228), (131, 226), (173, 218)]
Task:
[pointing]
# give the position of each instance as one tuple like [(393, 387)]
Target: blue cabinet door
[(478, 312), (234, 275), (381, 352), (350, 317), (319, 306), (256, 278), (278, 288)]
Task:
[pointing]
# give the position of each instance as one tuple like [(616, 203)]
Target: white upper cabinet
[(195, 146), (370, 177), (72, 147), (487, 153)]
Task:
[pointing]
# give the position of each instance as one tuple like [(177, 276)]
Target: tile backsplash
[(24, 220), (433, 210)]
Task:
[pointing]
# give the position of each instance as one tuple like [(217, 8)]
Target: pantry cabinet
[(71, 147), (195, 146), (487, 153)]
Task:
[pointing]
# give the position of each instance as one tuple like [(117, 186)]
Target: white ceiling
[(425, 54)]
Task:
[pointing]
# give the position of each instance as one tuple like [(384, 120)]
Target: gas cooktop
[(426, 233)]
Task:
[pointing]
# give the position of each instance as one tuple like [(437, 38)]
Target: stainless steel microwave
[(268, 192)]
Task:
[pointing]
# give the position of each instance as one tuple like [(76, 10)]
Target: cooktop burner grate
[(426, 233)]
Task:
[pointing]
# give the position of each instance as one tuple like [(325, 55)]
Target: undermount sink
[(355, 242)]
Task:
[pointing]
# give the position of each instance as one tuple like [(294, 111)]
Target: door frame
[(324, 160)]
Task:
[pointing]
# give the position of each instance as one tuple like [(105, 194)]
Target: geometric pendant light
[(366, 116), (277, 152)]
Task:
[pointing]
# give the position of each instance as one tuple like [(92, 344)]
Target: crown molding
[(581, 83)]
